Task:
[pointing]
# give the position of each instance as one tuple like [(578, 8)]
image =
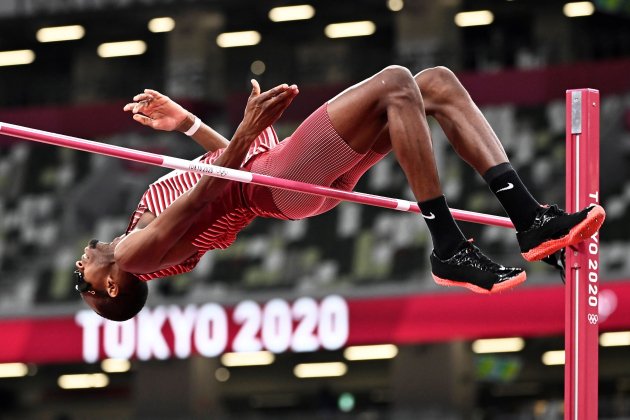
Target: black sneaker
[(554, 229), (471, 269)]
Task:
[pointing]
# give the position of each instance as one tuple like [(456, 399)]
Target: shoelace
[(485, 261), (548, 212), (554, 210)]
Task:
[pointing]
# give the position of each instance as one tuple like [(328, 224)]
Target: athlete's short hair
[(130, 300)]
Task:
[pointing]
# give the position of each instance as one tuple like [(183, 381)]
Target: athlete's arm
[(146, 249), (158, 111), (205, 136)]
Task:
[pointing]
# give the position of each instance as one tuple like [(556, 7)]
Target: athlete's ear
[(112, 287)]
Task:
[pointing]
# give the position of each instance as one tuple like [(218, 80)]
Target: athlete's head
[(111, 292)]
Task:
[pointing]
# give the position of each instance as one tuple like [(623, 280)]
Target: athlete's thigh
[(316, 154), (359, 113)]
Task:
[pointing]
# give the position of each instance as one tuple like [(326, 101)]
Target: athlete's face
[(92, 270)]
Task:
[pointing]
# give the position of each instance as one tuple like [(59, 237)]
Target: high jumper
[(183, 215)]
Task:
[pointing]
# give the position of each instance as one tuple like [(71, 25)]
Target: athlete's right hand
[(263, 109), (157, 111)]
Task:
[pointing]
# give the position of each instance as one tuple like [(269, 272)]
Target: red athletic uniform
[(315, 153)]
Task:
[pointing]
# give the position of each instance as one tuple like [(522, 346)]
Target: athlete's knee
[(399, 85), (439, 85)]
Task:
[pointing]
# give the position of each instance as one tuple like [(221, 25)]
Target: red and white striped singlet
[(315, 153), (229, 214)]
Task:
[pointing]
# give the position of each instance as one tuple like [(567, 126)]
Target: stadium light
[(320, 370), (258, 67), (222, 374), (115, 365), (83, 380), (121, 49), (16, 57), (253, 358), (374, 352), (613, 339), (288, 13), (498, 345), (578, 8), (350, 29), (554, 357), (238, 39), (60, 33), (474, 18), (161, 24), (395, 5), (13, 370)]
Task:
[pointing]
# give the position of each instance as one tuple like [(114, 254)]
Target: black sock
[(447, 238), (513, 195)]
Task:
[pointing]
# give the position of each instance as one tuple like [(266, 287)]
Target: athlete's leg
[(467, 129), (381, 147), (386, 111), (390, 99), (383, 112), (355, 120), (473, 139), (542, 230)]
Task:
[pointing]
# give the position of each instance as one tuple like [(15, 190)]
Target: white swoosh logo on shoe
[(429, 216), (509, 187)]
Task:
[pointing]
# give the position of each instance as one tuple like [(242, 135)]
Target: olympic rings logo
[(592, 318)]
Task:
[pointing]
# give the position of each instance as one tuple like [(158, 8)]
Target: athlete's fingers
[(154, 93), (255, 88), (283, 91), (290, 92), (143, 97), (135, 107), (149, 122), (284, 96), (285, 103), (138, 107), (274, 92), (271, 93), (143, 120), (277, 105)]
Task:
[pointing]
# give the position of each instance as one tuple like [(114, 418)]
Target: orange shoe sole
[(584, 230), (501, 287)]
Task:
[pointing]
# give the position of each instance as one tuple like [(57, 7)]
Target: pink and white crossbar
[(582, 188), (235, 174)]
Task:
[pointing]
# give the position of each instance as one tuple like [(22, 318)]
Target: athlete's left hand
[(264, 109), (155, 110)]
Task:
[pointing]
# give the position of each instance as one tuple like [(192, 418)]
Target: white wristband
[(192, 130)]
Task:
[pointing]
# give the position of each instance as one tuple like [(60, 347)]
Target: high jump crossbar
[(235, 174), (582, 261)]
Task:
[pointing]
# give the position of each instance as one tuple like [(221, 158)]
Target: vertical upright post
[(582, 261)]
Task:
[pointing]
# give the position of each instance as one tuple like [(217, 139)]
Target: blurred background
[(291, 295)]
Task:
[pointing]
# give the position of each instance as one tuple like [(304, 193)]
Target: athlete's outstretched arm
[(145, 250), (158, 111)]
